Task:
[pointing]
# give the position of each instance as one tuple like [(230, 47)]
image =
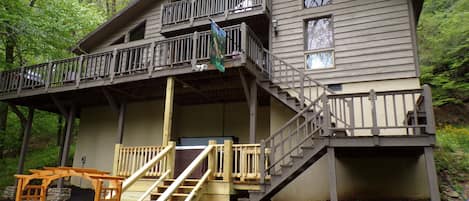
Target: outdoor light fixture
[(275, 25)]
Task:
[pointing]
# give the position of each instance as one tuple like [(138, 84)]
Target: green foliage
[(47, 30), (35, 159), (452, 157), (443, 45)]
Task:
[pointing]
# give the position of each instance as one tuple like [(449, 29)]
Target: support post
[(332, 174), (152, 58), (244, 42), (195, 37), (171, 159), (252, 112), (228, 161), (49, 76), (20, 84), (68, 135), (168, 110), (430, 116), (431, 174), (115, 164), (26, 137), (327, 116), (212, 159), (121, 123), (374, 114)]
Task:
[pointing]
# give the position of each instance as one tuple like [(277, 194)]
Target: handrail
[(141, 172), (183, 176), (198, 186), (154, 185)]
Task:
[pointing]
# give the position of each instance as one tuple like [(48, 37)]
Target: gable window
[(319, 53), (119, 41), (138, 33), (316, 3)]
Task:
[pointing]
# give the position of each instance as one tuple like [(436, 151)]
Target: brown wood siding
[(373, 38), (152, 32)]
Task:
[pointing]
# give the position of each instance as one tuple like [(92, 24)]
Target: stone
[(9, 193), (59, 194)]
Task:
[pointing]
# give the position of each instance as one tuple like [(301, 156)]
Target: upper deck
[(190, 14), (171, 56)]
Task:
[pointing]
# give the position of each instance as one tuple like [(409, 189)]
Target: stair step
[(173, 195), (307, 147), (286, 165), (185, 187)]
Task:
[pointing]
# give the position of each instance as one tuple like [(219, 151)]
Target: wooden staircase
[(300, 142), (182, 191)]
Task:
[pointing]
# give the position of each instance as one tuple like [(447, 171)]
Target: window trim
[(305, 43), (143, 22)]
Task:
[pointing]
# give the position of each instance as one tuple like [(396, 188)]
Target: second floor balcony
[(171, 56), (188, 14)]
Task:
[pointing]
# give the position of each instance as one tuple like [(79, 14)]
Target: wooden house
[(320, 100)]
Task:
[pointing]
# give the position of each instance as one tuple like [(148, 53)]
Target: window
[(316, 3), (138, 32), (119, 41), (319, 45)]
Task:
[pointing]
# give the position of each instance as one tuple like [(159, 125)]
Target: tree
[(443, 46)]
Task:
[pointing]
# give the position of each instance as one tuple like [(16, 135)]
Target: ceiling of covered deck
[(190, 89)]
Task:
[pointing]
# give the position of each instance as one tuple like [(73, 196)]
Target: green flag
[(217, 45)]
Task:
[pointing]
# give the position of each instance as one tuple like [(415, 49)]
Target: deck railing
[(187, 11), (179, 51), (130, 159)]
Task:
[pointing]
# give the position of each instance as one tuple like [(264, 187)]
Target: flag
[(217, 45)]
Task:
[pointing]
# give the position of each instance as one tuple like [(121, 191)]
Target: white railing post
[(327, 116), (194, 49)]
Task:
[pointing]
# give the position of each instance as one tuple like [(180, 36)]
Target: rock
[(59, 194), (9, 193), (452, 194)]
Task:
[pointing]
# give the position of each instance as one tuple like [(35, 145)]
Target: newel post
[(170, 159), (212, 159), (428, 104), (115, 164), (302, 90), (152, 58), (244, 42), (228, 161), (374, 115), (262, 162), (327, 116)]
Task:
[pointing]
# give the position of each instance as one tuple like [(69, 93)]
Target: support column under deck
[(121, 123), (332, 174), (252, 112), (68, 135), (26, 137), (431, 174), (168, 111)]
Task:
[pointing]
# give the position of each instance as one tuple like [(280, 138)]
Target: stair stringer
[(310, 156)]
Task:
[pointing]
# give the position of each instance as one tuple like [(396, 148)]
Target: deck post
[(171, 159), (152, 58), (211, 159), (115, 163), (252, 112), (20, 84), (244, 42), (194, 50), (26, 137), (112, 67), (431, 174), (49, 76), (228, 161), (430, 116), (327, 116), (168, 110), (374, 115), (121, 123), (332, 174), (78, 73)]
